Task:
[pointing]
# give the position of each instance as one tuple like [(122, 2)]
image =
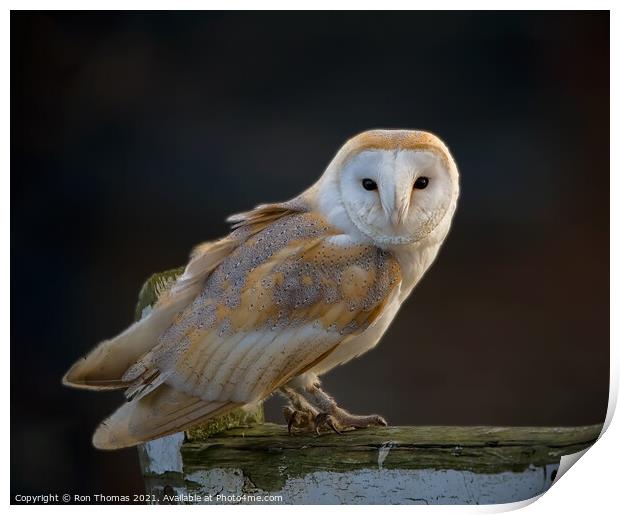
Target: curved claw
[(328, 420), (380, 421), (293, 418)]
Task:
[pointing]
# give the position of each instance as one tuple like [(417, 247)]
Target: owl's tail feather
[(162, 412), (104, 366)]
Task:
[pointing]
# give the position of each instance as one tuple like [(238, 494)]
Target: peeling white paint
[(164, 454), (387, 486)]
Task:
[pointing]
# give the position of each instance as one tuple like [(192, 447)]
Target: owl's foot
[(308, 420), (312, 409), (333, 415)]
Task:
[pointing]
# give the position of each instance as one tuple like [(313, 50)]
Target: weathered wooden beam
[(479, 449), (393, 465)]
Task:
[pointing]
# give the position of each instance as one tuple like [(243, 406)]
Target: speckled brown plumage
[(287, 278)]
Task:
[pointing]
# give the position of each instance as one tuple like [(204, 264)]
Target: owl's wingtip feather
[(69, 379), (79, 376), (108, 438), (103, 438)]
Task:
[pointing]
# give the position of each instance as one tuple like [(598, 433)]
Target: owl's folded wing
[(236, 347), (290, 312)]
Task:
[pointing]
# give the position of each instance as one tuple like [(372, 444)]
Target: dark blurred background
[(134, 135)]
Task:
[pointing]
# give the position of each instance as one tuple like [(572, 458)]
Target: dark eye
[(420, 183), (369, 184)]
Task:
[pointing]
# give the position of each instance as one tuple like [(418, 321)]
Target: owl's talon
[(328, 420), (292, 418), (364, 421), (372, 420), (380, 421)]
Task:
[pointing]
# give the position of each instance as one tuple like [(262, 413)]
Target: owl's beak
[(401, 207)]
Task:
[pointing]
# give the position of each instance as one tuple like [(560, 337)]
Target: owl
[(296, 289)]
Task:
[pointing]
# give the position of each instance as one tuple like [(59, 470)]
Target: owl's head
[(396, 187)]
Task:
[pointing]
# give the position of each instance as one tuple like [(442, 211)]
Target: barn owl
[(296, 289)]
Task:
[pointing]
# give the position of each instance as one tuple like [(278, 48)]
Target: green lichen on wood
[(239, 418), (154, 287), (268, 456), (150, 292)]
